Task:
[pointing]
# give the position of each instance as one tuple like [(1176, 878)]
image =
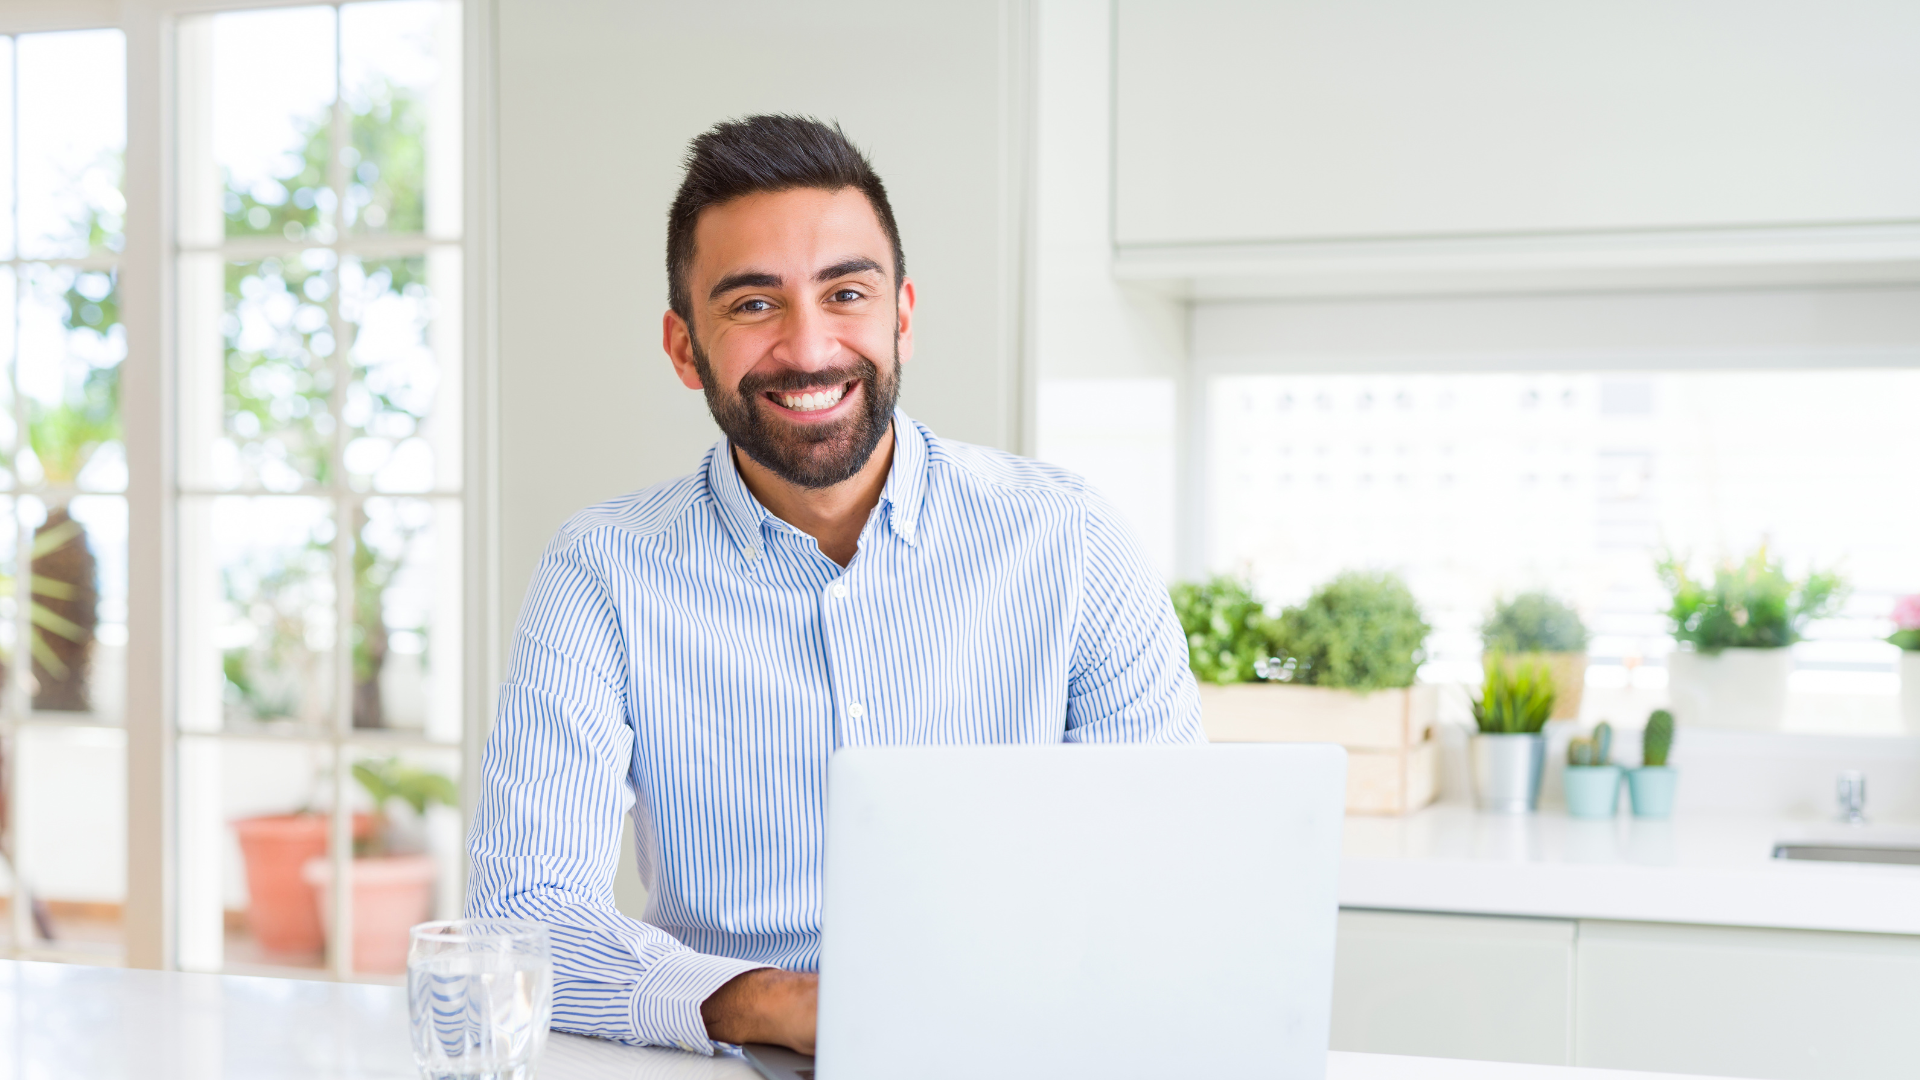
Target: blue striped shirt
[(687, 657)]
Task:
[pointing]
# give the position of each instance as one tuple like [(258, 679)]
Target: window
[(318, 283), (63, 482)]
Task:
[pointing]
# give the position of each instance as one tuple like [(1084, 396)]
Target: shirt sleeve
[(546, 834), (1130, 681)]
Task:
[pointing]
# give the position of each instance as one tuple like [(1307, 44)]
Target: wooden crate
[(1393, 759)]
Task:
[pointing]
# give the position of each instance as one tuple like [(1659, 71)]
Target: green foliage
[(1657, 741), (1533, 622), (1749, 605), (1229, 635), (391, 778), (1596, 749), (1516, 699), (1360, 631), (1906, 639)]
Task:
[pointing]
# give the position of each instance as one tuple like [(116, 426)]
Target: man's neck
[(833, 515)]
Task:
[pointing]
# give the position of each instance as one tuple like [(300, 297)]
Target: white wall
[(1251, 120), (597, 99)]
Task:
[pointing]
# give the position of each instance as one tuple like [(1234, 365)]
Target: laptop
[(1067, 911)]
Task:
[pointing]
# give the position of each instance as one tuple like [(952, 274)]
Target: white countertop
[(1709, 870), (93, 1023)]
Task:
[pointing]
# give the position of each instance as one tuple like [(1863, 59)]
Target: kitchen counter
[(1700, 869), (93, 1023)]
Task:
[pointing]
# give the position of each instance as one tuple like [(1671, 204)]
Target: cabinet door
[(1456, 986), (1764, 1004)]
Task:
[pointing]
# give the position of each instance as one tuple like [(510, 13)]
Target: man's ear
[(677, 339), (903, 315)]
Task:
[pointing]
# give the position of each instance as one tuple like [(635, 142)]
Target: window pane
[(271, 95), (402, 91), (277, 427), (6, 145), (9, 335), (71, 347), (262, 612), (398, 431), (409, 858), (1476, 485), (72, 840), (73, 137), (406, 634)]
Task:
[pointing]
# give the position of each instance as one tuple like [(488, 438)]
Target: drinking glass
[(480, 995)]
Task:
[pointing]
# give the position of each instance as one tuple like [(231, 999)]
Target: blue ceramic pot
[(1652, 790), (1593, 791)]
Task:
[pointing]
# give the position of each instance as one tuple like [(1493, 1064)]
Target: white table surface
[(72, 1022), (1708, 870)]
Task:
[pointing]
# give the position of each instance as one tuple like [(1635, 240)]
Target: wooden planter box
[(1393, 760)]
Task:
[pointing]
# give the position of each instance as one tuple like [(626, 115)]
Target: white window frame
[(149, 399)]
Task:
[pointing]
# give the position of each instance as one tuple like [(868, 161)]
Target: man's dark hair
[(766, 153)]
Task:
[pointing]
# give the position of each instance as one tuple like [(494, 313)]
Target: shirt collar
[(906, 488)]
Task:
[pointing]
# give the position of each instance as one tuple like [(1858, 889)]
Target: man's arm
[(1130, 681), (546, 835)]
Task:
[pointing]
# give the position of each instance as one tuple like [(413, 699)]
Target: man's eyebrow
[(746, 279), (859, 265)]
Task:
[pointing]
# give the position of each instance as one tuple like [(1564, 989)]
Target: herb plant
[(1749, 605), (391, 778), (1516, 699), (1360, 631), (1229, 634), (1533, 622)]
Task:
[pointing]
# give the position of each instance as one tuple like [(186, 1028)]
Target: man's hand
[(765, 1005)]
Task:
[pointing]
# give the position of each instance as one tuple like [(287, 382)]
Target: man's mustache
[(799, 382)]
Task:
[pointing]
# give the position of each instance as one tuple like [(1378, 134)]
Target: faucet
[(1851, 789)]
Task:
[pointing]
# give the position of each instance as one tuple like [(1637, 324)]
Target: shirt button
[(840, 590), (856, 710), (752, 554)]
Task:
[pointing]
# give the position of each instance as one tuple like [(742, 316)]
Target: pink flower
[(1906, 612)]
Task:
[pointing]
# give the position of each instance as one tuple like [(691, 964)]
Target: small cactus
[(1658, 739), (1596, 749)]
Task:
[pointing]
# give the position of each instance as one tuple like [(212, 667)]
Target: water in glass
[(480, 992)]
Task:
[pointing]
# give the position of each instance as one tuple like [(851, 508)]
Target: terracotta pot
[(280, 908), (391, 894)]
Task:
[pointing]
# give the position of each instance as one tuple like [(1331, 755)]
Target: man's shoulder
[(644, 515), (992, 473)]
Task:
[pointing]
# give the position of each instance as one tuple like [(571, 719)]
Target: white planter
[(1910, 690), (1744, 689)]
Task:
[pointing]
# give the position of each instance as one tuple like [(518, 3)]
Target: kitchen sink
[(1830, 852)]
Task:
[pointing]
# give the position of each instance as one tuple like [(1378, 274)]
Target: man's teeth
[(813, 402)]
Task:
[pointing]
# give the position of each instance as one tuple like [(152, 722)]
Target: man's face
[(797, 333)]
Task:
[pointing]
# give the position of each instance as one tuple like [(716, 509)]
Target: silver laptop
[(1068, 911)]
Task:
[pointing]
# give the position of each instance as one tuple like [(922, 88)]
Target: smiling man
[(833, 574)]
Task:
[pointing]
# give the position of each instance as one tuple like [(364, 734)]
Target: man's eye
[(754, 307), (846, 296)]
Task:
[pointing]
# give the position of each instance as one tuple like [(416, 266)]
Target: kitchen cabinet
[(1457, 986), (1766, 1004)]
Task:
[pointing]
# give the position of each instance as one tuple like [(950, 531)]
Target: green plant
[(1515, 699), (1657, 741), (1360, 631), (1750, 605), (1229, 635), (385, 779), (1533, 622), (1596, 749)]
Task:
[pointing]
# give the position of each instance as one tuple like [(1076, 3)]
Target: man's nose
[(808, 343)]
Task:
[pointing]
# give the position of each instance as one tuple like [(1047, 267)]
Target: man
[(833, 574)]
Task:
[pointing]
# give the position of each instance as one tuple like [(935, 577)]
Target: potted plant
[(274, 850), (1512, 706), (1593, 780), (1734, 635), (392, 885), (1652, 784), (1338, 668), (1906, 635), (1541, 624)]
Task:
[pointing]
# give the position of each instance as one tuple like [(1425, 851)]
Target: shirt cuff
[(666, 1005)]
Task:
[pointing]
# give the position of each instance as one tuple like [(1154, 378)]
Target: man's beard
[(813, 455)]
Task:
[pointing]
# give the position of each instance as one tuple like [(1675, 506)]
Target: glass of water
[(480, 995)]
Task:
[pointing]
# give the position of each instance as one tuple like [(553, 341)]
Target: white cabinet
[(1458, 986), (1766, 1004)]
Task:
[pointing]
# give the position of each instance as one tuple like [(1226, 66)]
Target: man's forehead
[(769, 229)]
